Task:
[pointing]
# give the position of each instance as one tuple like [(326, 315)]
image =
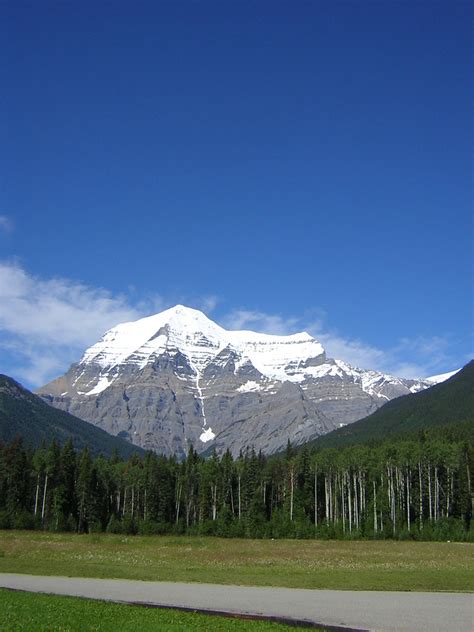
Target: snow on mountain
[(198, 338), (442, 377), (177, 378), (183, 328), (294, 358)]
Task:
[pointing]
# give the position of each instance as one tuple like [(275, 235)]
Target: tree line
[(420, 489)]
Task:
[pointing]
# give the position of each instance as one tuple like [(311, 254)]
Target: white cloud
[(207, 304), (5, 223), (410, 358), (57, 311), (431, 355), (259, 321), (354, 352), (35, 364), (46, 324)]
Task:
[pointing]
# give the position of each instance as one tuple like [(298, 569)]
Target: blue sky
[(282, 165)]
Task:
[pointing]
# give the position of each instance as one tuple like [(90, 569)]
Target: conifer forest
[(419, 489)]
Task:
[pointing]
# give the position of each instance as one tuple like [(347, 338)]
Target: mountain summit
[(201, 340), (177, 378)]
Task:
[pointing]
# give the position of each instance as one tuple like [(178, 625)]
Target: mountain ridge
[(447, 403), (176, 378), (24, 414)]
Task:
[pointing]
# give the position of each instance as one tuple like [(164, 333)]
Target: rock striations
[(177, 378)]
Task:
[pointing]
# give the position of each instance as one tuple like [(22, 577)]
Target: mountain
[(449, 404), (177, 378), (23, 414)]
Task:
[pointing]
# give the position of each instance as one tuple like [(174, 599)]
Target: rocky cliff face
[(177, 378)]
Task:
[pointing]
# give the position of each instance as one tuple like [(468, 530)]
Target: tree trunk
[(420, 482), (448, 486), (430, 499), (349, 502), (214, 501), (343, 485), (331, 506), (356, 501), (315, 497), (239, 499), (326, 498), (45, 489), (37, 493), (375, 508), (408, 499), (469, 489), (292, 484), (178, 500)]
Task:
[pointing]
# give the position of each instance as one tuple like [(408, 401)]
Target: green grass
[(30, 611), (349, 565)]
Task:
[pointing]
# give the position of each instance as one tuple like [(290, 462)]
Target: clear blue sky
[(306, 162)]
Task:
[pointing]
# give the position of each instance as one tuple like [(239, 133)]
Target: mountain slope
[(26, 415), (177, 378), (448, 403)]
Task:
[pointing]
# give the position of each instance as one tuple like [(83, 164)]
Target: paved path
[(380, 611)]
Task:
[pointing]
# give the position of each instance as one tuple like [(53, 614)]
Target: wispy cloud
[(57, 310), (46, 323), (259, 321), (206, 304), (6, 224)]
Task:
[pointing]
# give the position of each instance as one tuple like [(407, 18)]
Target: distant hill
[(26, 415), (448, 406)]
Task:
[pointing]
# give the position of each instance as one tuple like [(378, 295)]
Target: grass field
[(356, 565), (29, 611)]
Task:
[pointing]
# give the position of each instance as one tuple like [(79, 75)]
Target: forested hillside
[(449, 405), (25, 415)]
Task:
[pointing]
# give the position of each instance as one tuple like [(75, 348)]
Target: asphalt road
[(380, 611)]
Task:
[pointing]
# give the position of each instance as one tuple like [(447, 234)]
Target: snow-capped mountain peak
[(179, 327), (188, 331), (177, 378)]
